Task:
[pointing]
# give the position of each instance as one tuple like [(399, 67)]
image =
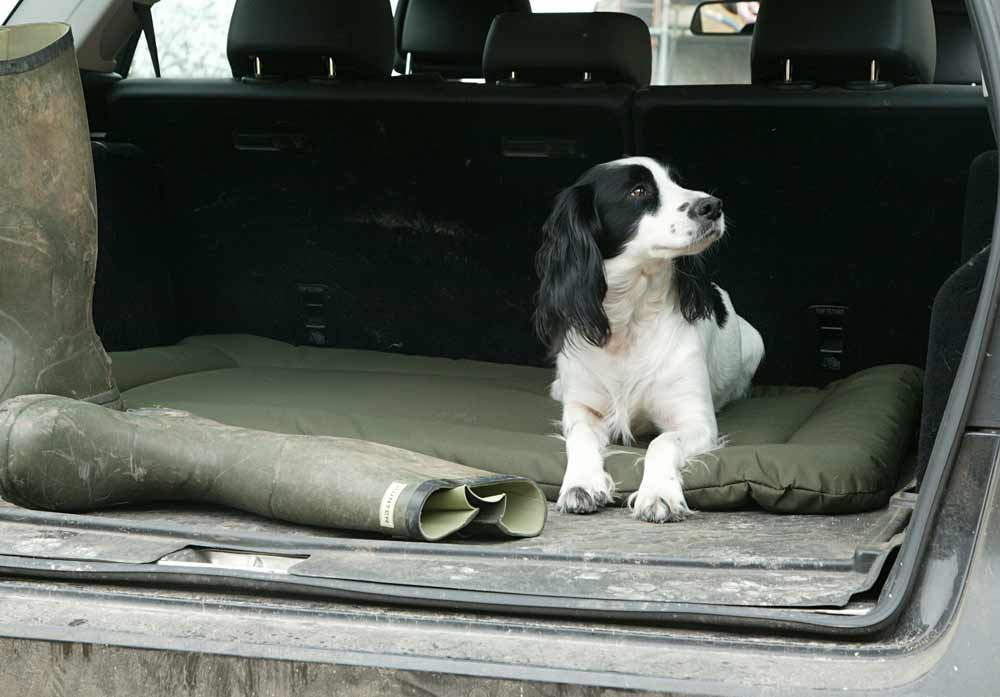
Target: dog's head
[(632, 212)]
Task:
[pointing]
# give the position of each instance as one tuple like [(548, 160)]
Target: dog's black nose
[(708, 208)]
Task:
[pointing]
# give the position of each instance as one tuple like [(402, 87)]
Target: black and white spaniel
[(644, 342)]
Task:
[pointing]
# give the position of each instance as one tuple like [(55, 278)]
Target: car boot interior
[(353, 255)]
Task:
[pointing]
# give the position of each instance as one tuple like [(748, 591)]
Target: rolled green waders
[(48, 222), (71, 456)]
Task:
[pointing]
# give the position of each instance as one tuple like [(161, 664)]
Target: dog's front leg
[(586, 486), (690, 431)]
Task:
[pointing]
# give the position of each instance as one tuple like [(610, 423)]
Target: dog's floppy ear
[(700, 298), (571, 270)]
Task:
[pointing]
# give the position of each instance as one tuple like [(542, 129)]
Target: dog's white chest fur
[(653, 351)]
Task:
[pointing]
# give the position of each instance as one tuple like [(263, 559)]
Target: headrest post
[(874, 81), (258, 70), (331, 68), (788, 82), (513, 75), (587, 76), (409, 64)]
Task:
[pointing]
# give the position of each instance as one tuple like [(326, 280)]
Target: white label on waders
[(387, 511)]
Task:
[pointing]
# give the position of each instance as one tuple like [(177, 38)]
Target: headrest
[(298, 38), (834, 41), (447, 36), (560, 48)]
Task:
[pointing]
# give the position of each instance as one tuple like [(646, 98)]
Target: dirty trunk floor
[(745, 558)]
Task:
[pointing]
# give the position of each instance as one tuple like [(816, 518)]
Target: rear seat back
[(384, 214), (813, 173), (134, 290)]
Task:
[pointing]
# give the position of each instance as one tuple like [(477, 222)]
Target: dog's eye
[(637, 192)]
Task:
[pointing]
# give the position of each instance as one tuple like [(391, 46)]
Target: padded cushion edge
[(836, 450)]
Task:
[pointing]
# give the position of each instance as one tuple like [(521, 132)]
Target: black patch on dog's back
[(719, 307), (699, 297)]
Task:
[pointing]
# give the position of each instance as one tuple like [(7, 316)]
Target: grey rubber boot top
[(48, 222)]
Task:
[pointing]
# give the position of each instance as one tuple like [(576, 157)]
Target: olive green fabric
[(789, 449)]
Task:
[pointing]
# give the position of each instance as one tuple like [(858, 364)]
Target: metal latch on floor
[(239, 560), (830, 321)]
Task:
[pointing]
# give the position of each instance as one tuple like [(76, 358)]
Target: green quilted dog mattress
[(788, 449)]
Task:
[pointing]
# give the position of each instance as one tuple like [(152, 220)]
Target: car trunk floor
[(744, 558)]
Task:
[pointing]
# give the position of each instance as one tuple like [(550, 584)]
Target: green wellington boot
[(64, 455), (48, 222)]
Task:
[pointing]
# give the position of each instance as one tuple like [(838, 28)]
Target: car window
[(191, 39), (7, 9)]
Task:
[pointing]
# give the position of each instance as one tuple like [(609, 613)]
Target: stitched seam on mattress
[(214, 347), (353, 417), (812, 413), (791, 488), (458, 378), (493, 382), (225, 354), (166, 358), (463, 378), (831, 392)]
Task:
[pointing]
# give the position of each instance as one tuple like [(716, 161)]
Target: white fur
[(659, 373)]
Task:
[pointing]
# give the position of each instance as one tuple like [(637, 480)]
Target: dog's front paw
[(586, 498), (657, 506)]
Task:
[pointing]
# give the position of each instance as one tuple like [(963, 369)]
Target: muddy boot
[(59, 454), (48, 222)]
